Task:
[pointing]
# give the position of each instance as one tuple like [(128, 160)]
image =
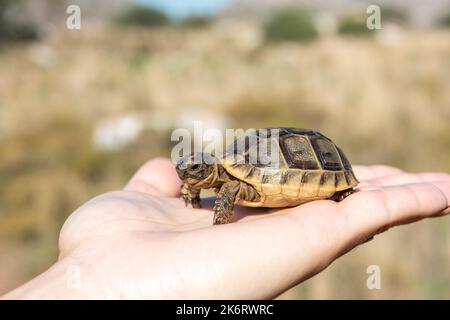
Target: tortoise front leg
[(223, 207), (191, 196)]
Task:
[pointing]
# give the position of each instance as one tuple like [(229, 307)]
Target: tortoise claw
[(196, 204), (191, 202)]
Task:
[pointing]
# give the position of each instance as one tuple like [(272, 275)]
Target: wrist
[(66, 279)]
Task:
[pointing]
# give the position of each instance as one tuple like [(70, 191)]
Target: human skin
[(143, 243)]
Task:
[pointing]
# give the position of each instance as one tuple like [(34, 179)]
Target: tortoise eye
[(195, 167)]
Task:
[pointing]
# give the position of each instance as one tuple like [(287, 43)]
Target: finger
[(371, 212), (157, 177), (302, 241), (375, 171), (290, 246), (244, 214), (405, 178)]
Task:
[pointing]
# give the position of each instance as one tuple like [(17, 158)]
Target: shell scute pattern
[(310, 167)]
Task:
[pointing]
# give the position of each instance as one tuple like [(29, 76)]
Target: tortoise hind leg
[(341, 195)]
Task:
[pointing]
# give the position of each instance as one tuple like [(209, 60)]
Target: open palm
[(142, 242)]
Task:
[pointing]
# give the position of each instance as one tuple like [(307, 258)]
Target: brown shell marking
[(298, 182)]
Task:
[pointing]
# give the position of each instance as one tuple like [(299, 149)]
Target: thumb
[(157, 177)]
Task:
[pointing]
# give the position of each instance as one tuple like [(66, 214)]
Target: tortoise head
[(196, 167)]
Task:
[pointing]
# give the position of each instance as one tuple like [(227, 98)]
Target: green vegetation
[(392, 14), (291, 25), (354, 25), (12, 31), (196, 22), (4, 6), (142, 16), (444, 21)]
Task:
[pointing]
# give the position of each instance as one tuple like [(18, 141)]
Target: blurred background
[(80, 110)]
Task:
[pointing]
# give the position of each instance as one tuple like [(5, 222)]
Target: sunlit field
[(383, 99)]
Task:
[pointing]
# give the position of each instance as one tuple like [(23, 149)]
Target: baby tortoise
[(309, 167)]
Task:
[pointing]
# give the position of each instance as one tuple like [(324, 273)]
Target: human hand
[(142, 242)]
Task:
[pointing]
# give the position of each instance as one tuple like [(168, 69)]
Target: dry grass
[(382, 102)]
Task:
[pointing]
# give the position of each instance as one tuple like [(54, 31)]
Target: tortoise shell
[(300, 165)]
